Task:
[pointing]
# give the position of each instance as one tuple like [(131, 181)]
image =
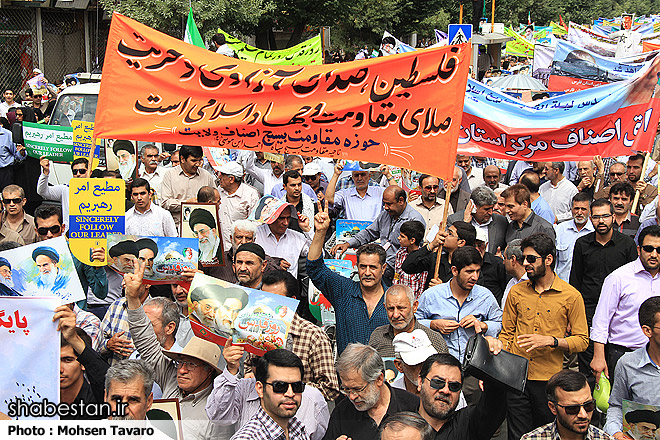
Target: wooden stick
[(641, 178), (443, 225), (460, 15), (90, 158)]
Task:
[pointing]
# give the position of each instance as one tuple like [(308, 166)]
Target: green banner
[(52, 141), (303, 54), (558, 29), (519, 46)]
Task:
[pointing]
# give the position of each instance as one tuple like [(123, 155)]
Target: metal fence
[(18, 47), (63, 34)]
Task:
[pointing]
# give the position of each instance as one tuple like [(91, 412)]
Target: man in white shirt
[(513, 264), (475, 176), (8, 103), (568, 233), (237, 198), (220, 44), (558, 191), (146, 218), (151, 171), (279, 241)]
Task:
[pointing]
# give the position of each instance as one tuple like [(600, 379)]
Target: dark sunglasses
[(572, 410), (310, 177), (53, 230), (281, 387), (79, 171), (438, 384), (648, 248), (531, 259), (613, 173), (15, 201)]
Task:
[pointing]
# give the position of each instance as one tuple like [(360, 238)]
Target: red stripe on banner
[(569, 84)]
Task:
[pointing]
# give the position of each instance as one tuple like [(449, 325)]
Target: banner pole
[(443, 225), (90, 158), (492, 26), (460, 14), (322, 45), (637, 192)]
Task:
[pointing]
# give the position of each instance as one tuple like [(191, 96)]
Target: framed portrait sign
[(165, 415), (122, 155), (202, 221)]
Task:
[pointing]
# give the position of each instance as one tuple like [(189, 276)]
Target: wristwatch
[(555, 342)]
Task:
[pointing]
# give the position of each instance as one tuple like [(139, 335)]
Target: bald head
[(394, 200), (492, 177)]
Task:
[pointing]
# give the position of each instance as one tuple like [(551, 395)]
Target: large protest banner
[(402, 110), (30, 351), (610, 120), (307, 52), (518, 46), (52, 141)]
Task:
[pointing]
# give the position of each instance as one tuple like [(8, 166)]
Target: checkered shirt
[(262, 427), (415, 281), (549, 432), (114, 321), (90, 324)]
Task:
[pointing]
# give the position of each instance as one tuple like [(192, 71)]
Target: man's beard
[(126, 169), (428, 401), (202, 318), (48, 279), (369, 400), (9, 282), (208, 249)]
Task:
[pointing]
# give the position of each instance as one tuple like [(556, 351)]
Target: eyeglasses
[(15, 201), (439, 384), (431, 187), (281, 387), (53, 230), (348, 391), (648, 248), (614, 174), (79, 171), (601, 217), (190, 365), (572, 410), (531, 259)]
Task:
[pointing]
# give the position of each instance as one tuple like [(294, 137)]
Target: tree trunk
[(296, 35)]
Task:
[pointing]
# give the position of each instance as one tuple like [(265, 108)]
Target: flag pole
[(637, 192), (443, 225)]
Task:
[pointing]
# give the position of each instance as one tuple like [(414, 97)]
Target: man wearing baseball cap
[(314, 177), (237, 198), (410, 352)]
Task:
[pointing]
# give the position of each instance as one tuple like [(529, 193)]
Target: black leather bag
[(505, 369)]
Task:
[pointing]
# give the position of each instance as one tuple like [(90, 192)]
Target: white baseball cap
[(414, 347), (311, 169), (231, 168)]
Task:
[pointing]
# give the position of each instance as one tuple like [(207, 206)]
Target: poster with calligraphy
[(201, 221), (96, 208), (83, 132), (611, 120), (165, 257), (30, 352), (402, 110), (44, 268), (346, 229), (53, 141), (258, 320), (302, 54)]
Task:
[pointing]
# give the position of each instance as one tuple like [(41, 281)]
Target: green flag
[(192, 35), (305, 53)]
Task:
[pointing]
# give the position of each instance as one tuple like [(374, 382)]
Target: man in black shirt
[(370, 399), (440, 383), (595, 256)]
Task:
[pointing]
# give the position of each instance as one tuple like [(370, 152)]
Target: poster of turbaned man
[(201, 221), (165, 258), (40, 269)]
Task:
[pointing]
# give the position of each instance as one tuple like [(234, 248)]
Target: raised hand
[(321, 219), (45, 165), (232, 354)]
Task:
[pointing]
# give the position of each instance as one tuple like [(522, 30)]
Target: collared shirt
[(383, 337), (25, 228), (353, 321), (155, 180), (4, 107), (542, 209), (549, 313), (559, 197), (313, 347), (263, 427), (291, 245), (90, 323), (476, 178), (432, 216), (550, 432), (155, 222), (636, 378), (628, 226), (624, 290), (236, 206), (358, 425), (417, 281), (592, 262), (438, 302), (279, 191), (512, 282), (646, 223), (357, 207), (9, 155), (387, 229), (533, 223), (179, 187), (114, 321), (567, 234), (235, 401), (520, 167), (56, 193)]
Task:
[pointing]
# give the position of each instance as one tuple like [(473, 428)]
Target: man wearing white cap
[(313, 176), (410, 351), (237, 198)]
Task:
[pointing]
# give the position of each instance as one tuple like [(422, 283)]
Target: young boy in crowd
[(410, 238)]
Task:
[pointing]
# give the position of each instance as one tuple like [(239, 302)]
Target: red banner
[(650, 47), (403, 110), (569, 84)]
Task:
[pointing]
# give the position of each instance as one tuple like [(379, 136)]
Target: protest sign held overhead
[(52, 141), (302, 54), (382, 110), (82, 143)]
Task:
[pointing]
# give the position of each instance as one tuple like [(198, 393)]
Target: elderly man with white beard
[(6, 281), (568, 233), (125, 152), (50, 277), (205, 228)]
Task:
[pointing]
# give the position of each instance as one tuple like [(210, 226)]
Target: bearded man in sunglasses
[(543, 318), (570, 400)]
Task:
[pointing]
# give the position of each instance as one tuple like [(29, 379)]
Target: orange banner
[(649, 47), (403, 110)]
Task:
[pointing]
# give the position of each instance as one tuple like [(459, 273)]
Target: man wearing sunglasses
[(60, 193), (538, 314), (428, 204), (14, 217), (570, 401), (624, 290)]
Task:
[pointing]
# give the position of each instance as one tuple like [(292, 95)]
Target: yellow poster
[(82, 141)]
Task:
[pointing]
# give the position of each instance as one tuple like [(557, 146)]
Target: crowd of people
[(556, 262)]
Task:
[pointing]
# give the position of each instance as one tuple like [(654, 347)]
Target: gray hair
[(244, 225), (362, 358), (483, 195), (398, 289), (513, 249), (146, 147), (560, 166), (397, 422), (169, 311), (291, 159), (127, 371)]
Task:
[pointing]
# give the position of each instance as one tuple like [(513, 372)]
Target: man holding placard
[(60, 193)]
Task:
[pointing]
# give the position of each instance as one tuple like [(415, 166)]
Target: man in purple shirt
[(614, 331)]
